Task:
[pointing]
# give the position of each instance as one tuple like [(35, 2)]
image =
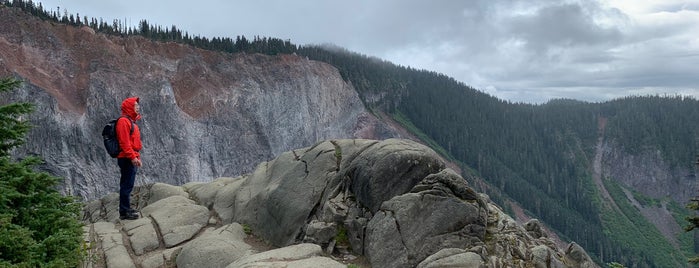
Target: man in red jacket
[(129, 159)]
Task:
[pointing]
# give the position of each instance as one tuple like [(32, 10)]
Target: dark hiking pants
[(128, 177)]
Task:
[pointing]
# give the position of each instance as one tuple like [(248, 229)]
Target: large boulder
[(290, 188), (216, 248), (279, 196), (142, 235), (177, 218), (398, 163), (440, 212), (297, 182), (392, 201), (577, 257)]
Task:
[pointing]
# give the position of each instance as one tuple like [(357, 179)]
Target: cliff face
[(649, 174), (205, 114)]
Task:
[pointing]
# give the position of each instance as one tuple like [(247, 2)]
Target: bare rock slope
[(205, 114), (392, 203)]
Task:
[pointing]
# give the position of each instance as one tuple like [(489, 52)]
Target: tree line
[(257, 44)]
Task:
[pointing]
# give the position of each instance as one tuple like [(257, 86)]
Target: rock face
[(205, 114), (648, 173), (391, 202)]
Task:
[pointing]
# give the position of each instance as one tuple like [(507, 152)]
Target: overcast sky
[(522, 51)]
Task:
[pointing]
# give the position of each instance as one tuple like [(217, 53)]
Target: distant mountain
[(613, 177)]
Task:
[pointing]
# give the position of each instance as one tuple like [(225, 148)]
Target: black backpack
[(110, 139)]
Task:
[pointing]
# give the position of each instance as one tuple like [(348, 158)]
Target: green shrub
[(246, 229), (341, 236), (615, 265)]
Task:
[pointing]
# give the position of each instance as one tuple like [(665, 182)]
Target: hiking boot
[(129, 216)]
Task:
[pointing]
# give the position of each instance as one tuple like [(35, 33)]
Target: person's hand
[(136, 162)]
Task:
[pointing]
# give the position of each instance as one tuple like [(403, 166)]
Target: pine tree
[(38, 226), (12, 129)]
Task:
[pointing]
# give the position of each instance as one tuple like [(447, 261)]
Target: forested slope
[(538, 155)]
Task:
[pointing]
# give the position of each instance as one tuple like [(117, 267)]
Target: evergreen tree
[(12, 129), (38, 226)]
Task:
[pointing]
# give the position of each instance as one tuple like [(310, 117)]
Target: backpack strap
[(130, 133)]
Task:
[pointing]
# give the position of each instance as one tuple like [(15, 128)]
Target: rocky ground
[(390, 203)]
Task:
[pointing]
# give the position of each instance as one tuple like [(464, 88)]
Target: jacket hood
[(128, 108)]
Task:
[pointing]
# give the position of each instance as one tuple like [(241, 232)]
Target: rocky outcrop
[(648, 173), (391, 202), (205, 114)]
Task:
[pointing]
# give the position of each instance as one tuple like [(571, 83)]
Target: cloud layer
[(522, 51)]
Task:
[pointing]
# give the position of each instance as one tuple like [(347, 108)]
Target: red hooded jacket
[(130, 143)]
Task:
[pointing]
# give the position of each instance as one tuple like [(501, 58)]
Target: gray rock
[(534, 228), (160, 191), (356, 233), (335, 209), (545, 257), (165, 258), (288, 188), (398, 163), (103, 209), (205, 193), (177, 218), (307, 195), (319, 232), (112, 243), (216, 248), (412, 226), (384, 245), (452, 257), (283, 192), (154, 261), (301, 255), (92, 210), (576, 256), (226, 197), (142, 236), (312, 262)]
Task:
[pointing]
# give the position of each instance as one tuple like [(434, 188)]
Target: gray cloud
[(563, 26), (528, 51)]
